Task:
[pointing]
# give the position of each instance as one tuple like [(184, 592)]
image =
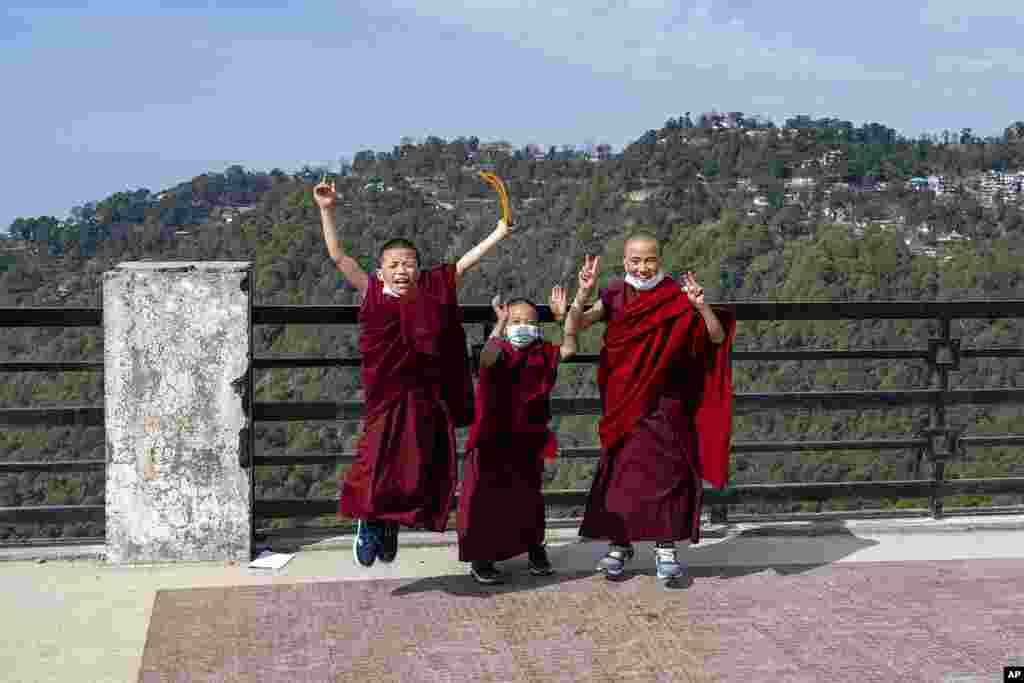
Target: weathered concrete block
[(176, 335)]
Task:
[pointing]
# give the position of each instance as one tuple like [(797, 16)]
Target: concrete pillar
[(176, 359)]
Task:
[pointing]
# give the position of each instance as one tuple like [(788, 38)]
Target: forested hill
[(815, 210)]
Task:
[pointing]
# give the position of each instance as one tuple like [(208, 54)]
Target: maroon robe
[(501, 506), (666, 394), (416, 381)]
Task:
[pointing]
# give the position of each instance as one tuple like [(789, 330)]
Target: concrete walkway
[(83, 620)]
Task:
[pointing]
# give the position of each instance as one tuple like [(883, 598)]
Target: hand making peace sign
[(693, 290), (588, 274)]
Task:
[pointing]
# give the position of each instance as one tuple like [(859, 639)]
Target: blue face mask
[(522, 335)]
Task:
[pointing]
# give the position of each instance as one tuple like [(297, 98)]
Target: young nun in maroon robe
[(501, 506), (417, 385), (666, 391)]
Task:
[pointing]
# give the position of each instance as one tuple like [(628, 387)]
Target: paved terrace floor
[(68, 616)]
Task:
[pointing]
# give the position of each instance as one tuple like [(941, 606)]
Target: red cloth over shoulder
[(656, 337)]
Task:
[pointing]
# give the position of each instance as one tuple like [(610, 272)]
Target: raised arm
[(572, 321), (326, 198), (491, 351), (472, 257), (587, 282), (696, 295)]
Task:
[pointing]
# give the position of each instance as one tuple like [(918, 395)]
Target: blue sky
[(102, 97)]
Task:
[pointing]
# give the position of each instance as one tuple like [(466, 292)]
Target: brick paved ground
[(881, 621)]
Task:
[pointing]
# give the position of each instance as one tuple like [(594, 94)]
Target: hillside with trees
[(815, 210)]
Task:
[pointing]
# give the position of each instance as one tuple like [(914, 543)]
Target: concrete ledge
[(964, 524), (570, 534)]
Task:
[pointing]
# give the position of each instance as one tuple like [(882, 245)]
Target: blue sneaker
[(366, 543), (667, 562), (388, 542)]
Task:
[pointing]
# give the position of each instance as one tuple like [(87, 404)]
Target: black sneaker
[(388, 542), (539, 563), (366, 543), (485, 573)]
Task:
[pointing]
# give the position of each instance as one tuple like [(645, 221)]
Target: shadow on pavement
[(768, 551)]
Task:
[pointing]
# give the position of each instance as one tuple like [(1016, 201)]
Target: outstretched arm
[(473, 256), (326, 198)]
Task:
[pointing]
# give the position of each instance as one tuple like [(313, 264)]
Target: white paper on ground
[(269, 560)]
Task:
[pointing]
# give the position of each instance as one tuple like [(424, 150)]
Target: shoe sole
[(484, 582), (675, 583)]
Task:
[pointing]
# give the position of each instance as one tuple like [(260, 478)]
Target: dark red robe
[(501, 506), (666, 392), (418, 389)]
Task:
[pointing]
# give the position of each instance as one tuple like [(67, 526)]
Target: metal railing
[(938, 442)]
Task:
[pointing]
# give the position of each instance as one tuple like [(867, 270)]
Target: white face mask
[(522, 335), (644, 285)]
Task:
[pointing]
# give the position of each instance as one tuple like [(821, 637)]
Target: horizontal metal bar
[(995, 352), (314, 361), (353, 410), (51, 514), (861, 445), (49, 366), (993, 440), (9, 544), (861, 310), (827, 354), (983, 487), (305, 361), (50, 317), (481, 313), (91, 416), (7, 467), (573, 453), (317, 507), (744, 310)]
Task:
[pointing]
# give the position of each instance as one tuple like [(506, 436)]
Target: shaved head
[(638, 238)]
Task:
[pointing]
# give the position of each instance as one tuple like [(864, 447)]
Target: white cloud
[(982, 61), (647, 39), (956, 15)]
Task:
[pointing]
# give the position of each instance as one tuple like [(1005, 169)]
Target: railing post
[(719, 514), (943, 356), (177, 376)]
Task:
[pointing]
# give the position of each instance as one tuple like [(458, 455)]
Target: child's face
[(399, 269), (522, 314)]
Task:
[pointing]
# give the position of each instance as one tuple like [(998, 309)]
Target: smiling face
[(399, 268), (641, 258)]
